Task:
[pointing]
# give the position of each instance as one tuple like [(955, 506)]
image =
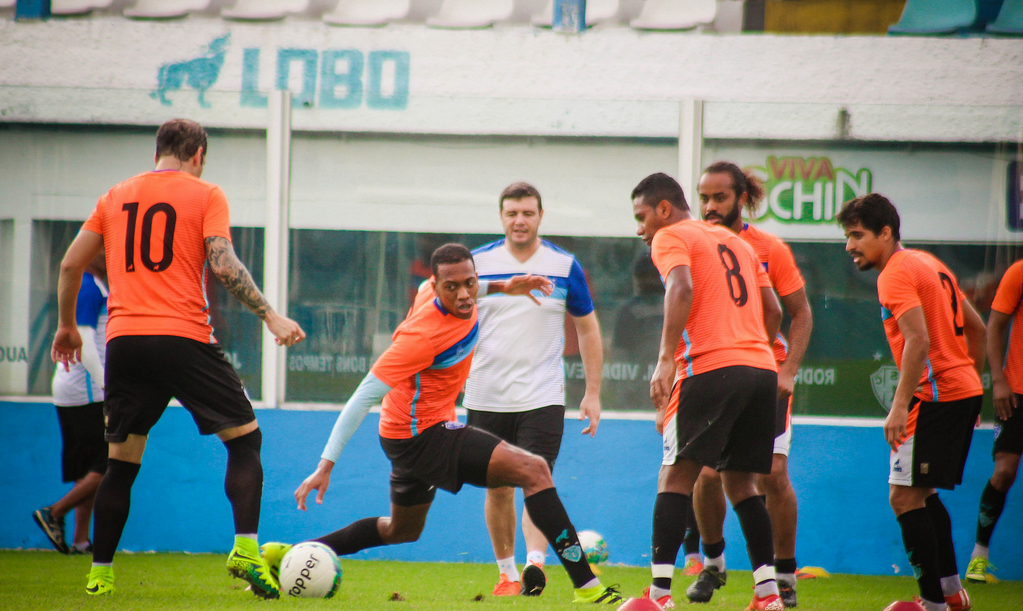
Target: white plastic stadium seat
[(164, 9), (471, 13), (76, 7), (597, 11), (367, 12), (264, 10), (675, 14)]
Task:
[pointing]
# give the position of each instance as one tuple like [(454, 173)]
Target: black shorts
[(726, 419), (537, 430), (781, 415), (446, 455), (934, 453), (1009, 433), (145, 371), (85, 449)]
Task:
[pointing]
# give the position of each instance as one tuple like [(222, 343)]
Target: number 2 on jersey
[(733, 276), (171, 218)]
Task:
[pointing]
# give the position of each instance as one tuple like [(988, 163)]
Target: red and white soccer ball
[(310, 570)]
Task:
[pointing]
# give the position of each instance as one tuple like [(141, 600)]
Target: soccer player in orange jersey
[(162, 232), (937, 340), (715, 385), (418, 378), (1007, 383), (724, 191)]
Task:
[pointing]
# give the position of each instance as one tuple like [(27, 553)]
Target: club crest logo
[(883, 382)]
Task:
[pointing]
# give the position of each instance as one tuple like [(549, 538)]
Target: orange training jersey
[(425, 366), (781, 268), (916, 278), (154, 228), (1007, 301), (726, 321)]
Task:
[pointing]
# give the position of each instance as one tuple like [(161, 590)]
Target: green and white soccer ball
[(593, 546), (310, 570)]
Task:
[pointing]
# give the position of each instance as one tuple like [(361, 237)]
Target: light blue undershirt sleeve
[(369, 393), (484, 286)]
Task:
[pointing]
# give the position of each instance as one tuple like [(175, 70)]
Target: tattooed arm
[(237, 280)]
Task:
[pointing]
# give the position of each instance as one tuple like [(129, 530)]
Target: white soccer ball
[(310, 570), (593, 546)]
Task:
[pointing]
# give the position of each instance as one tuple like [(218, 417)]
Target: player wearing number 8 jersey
[(163, 232), (719, 311), (937, 340)]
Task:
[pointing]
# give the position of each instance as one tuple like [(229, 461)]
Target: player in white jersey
[(78, 396), (516, 387)]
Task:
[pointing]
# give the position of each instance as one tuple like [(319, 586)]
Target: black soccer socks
[(550, 517), (243, 481), (922, 549), (110, 508), (691, 544), (671, 515), (357, 536), (992, 501), (756, 527), (943, 534)]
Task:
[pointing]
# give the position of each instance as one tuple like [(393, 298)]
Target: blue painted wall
[(608, 484)]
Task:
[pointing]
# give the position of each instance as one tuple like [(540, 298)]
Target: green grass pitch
[(32, 580)]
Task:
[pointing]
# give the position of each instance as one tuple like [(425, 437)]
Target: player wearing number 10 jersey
[(162, 232), (719, 311), (937, 340)]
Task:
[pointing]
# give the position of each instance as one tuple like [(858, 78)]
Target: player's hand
[(895, 426), (659, 421), (319, 480), (589, 408), (526, 284), (661, 381), (786, 385), (1005, 400), (67, 347), (286, 332)]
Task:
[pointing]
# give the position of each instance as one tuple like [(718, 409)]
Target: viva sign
[(809, 190)]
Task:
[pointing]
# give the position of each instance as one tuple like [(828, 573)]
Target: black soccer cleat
[(53, 528), (533, 580), (787, 591), (702, 590)]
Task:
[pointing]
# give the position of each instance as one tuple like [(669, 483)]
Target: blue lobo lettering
[(334, 78)]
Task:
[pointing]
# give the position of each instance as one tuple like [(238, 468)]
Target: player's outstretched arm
[(67, 342), (522, 285), (369, 393), (237, 280), (1004, 399)]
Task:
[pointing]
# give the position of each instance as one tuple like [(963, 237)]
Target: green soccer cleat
[(101, 581), (244, 562), (599, 595), (976, 572), (273, 553)]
